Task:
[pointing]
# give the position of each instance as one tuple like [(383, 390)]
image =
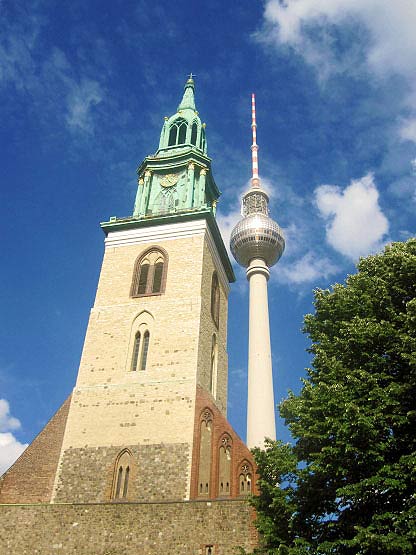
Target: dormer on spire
[(183, 130), (188, 100)]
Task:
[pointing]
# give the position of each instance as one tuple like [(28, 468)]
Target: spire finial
[(188, 100), (255, 180)]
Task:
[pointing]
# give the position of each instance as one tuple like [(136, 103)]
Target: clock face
[(170, 179)]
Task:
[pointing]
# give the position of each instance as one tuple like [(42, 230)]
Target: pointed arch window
[(224, 467), (140, 351), (215, 299), (121, 476), (202, 140), (214, 365), (182, 133), (150, 271), (145, 350), (173, 133), (194, 133), (177, 132), (245, 478), (205, 454), (136, 351)]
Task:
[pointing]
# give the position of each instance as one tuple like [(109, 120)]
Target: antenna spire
[(255, 180)]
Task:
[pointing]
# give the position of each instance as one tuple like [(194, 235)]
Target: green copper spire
[(188, 100), (176, 181), (184, 129)]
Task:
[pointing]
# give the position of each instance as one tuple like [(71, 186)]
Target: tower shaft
[(260, 402), (257, 243)]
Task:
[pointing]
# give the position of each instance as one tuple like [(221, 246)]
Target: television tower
[(257, 243)]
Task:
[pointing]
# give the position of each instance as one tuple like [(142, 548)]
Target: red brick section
[(239, 450), (31, 478)]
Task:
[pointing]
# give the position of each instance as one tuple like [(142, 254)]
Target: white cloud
[(356, 225), (10, 450), (408, 130), (7, 422), (309, 268), (389, 48), (226, 223), (10, 447), (82, 98), (392, 46)]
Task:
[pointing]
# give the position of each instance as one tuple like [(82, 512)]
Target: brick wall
[(115, 529), (239, 450), (31, 478)]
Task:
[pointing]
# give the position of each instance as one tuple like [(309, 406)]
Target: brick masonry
[(31, 478), (239, 450), (122, 528)]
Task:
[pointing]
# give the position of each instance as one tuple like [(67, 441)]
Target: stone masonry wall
[(31, 478), (123, 528), (88, 474)]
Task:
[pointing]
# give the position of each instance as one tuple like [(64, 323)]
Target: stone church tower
[(141, 456)]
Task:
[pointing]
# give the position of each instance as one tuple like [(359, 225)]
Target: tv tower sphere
[(257, 243), (256, 235)]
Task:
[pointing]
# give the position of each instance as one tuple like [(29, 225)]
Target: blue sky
[(84, 87)]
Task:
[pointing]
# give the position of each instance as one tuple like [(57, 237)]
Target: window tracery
[(245, 478), (205, 453), (224, 466), (177, 132), (121, 476), (150, 271)]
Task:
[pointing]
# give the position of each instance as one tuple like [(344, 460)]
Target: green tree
[(348, 485)]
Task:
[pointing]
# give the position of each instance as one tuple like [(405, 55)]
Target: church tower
[(146, 423)]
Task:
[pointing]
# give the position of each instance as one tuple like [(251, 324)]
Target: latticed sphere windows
[(255, 202), (149, 277)]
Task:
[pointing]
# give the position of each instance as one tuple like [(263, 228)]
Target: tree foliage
[(348, 485)]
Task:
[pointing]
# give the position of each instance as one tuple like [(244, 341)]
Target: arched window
[(245, 478), (205, 456), (215, 299), (145, 350), (140, 351), (173, 133), (194, 133), (182, 133), (224, 467), (150, 270), (177, 132), (136, 351), (121, 476), (214, 365), (202, 140)]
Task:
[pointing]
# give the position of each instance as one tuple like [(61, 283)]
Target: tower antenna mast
[(255, 180)]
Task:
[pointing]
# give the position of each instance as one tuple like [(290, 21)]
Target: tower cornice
[(131, 223)]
